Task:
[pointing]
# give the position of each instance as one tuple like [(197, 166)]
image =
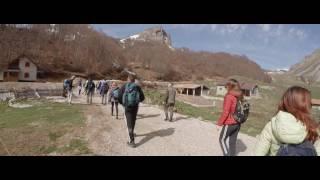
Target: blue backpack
[(67, 84), (306, 148), (131, 96), (115, 93)]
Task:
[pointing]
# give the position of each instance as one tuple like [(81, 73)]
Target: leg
[(233, 134), (116, 104), (102, 97), (112, 104), (130, 124), (166, 112), (171, 111), (222, 140)]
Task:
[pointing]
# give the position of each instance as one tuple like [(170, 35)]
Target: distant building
[(221, 89), (21, 69), (249, 89), (316, 103), (191, 89)]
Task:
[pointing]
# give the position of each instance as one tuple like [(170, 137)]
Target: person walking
[(90, 88), (103, 92), (79, 86), (130, 96), (68, 85), (230, 127), (169, 102), (292, 131), (114, 98)]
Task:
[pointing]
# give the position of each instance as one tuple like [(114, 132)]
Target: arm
[(121, 92), (264, 141), (166, 97), (226, 110), (141, 94)]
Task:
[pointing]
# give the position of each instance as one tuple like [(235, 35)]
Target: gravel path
[(155, 137)]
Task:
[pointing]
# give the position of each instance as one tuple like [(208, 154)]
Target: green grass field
[(42, 129)]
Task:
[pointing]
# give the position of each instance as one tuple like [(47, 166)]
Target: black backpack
[(242, 112), (305, 148)]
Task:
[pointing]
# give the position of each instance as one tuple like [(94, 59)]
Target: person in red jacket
[(230, 127)]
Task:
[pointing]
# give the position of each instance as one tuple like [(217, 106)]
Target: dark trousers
[(116, 106), (89, 97), (229, 132), (169, 107), (131, 117)]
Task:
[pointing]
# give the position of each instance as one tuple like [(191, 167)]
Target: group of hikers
[(291, 132)]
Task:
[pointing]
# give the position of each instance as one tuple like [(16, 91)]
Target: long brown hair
[(297, 101), (232, 84)]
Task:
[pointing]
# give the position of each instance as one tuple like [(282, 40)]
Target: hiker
[(79, 86), (104, 91), (99, 87), (114, 98), (230, 127), (90, 87), (130, 96), (68, 86), (169, 102), (292, 131)]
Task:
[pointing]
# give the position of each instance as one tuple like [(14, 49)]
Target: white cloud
[(297, 33), (265, 27)]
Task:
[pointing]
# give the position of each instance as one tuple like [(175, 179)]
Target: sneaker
[(131, 144)]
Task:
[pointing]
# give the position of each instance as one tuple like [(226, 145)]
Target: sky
[(272, 46)]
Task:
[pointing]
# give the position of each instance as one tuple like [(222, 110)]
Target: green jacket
[(285, 128)]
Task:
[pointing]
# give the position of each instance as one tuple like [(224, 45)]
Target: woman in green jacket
[(291, 125)]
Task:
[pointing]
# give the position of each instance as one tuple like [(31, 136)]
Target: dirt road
[(154, 137)]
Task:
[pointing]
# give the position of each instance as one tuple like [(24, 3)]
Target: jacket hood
[(287, 129)]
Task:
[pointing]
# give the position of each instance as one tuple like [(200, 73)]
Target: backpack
[(131, 96), (90, 85), (305, 148), (115, 94), (104, 88), (67, 84), (242, 112)]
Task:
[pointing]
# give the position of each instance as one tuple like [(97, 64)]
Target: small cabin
[(315, 103), (221, 89), (21, 69), (191, 89), (249, 90)]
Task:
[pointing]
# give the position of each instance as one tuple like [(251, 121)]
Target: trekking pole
[(5, 147)]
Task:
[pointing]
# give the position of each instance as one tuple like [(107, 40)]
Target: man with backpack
[(130, 96), (103, 92), (114, 98), (169, 102), (90, 87), (67, 85)]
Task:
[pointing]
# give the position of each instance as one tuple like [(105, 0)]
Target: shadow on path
[(159, 133), (241, 147)]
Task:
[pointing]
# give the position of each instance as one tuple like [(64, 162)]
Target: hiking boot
[(117, 117), (165, 119), (131, 144)]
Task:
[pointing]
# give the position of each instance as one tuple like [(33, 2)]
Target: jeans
[(69, 96), (131, 117), (89, 97), (169, 107), (104, 99), (114, 104)]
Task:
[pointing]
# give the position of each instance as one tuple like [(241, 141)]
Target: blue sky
[(272, 46)]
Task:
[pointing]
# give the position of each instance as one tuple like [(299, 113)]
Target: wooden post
[(201, 89), (188, 92), (194, 91)]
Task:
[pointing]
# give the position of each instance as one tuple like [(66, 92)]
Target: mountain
[(62, 48), (152, 55), (309, 68)]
